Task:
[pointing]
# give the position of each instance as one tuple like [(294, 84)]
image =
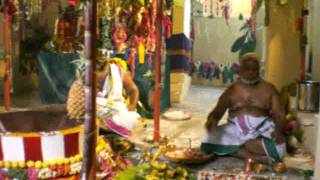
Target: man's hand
[(278, 137), (210, 125)]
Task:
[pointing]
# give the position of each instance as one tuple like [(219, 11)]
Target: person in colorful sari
[(114, 85), (256, 118)]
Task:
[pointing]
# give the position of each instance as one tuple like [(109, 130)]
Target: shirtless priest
[(256, 118)]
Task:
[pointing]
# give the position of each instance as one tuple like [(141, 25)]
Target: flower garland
[(108, 164), (11, 8)]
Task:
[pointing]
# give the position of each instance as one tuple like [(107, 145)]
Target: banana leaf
[(237, 45), (132, 173)]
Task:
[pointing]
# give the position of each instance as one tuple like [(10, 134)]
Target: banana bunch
[(121, 146), (161, 171)]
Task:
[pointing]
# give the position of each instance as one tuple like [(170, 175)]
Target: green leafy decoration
[(133, 173), (246, 42), (249, 46), (20, 174)]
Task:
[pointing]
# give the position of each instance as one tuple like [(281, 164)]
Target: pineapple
[(76, 97), (76, 102)]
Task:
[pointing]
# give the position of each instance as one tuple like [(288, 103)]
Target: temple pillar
[(179, 48)]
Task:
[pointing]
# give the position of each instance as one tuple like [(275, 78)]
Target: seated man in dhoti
[(256, 118), (112, 109)]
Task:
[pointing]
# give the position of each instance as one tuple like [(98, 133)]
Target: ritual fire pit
[(40, 138), (43, 143)]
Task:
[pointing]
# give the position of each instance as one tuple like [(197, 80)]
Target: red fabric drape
[(167, 26)]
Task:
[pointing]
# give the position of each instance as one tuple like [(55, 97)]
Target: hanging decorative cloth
[(218, 7), (226, 11), (144, 28), (132, 61), (141, 53), (253, 19), (151, 40), (167, 25), (141, 49), (149, 61)]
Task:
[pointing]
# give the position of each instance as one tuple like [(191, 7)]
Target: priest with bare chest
[(256, 118)]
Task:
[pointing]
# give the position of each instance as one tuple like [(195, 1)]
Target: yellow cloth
[(119, 62), (141, 53)]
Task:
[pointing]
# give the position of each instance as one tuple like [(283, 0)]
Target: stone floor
[(198, 103)]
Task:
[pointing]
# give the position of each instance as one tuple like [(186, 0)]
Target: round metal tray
[(187, 156)]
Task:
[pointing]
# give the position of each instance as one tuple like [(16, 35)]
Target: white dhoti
[(112, 110), (229, 138)]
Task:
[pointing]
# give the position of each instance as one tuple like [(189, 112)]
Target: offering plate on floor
[(187, 156)]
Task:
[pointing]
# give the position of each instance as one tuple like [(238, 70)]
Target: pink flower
[(32, 173), (73, 2)]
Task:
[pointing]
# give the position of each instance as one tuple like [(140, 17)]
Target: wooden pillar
[(157, 93), (90, 134), (7, 77)]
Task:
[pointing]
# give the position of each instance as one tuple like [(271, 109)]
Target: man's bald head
[(249, 68)]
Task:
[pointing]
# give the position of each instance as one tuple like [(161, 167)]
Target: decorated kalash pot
[(40, 143)]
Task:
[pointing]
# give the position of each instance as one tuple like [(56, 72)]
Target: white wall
[(261, 35), (187, 17), (315, 13), (214, 38), (213, 7)]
